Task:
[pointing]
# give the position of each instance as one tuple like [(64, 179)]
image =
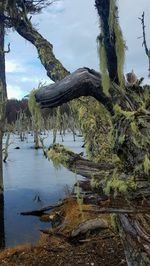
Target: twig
[(147, 51)]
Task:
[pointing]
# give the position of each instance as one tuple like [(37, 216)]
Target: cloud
[(72, 27), (14, 67), (29, 79), (14, 91), (130, 11), (72, 33)]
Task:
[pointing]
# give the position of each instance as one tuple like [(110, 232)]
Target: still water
[(27, 174)]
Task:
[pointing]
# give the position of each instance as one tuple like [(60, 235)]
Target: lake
[(27, 175)]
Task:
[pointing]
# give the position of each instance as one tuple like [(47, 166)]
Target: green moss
[(146, 165), (96, 127), (94, 183), (58, 155), (134, 127), (120, 51), (79, 196), (118, 110), (113, 218), (121, 139), (118, 184), (34, 107), (115, 159), (146, 96), (119, 41)]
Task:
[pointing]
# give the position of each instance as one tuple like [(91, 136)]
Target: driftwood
[(88, 226)]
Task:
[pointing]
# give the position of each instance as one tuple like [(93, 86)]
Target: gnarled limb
[(82, 82)]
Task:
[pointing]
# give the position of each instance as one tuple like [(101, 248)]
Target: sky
[(72, 27)]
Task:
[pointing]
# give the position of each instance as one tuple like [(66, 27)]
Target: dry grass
[(74, 214), (8, 252)]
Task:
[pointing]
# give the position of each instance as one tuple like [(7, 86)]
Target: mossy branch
[(55, 70)]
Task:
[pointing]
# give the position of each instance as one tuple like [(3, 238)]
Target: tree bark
[(3, 93), (3, 97), (103, 7), (2, 228), (82, 82)]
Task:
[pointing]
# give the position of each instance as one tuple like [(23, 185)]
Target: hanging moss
[(103, 66), (34, 108), (146, 165), (121, 139), (94, 183), (59, 155), (119, 41), (118, 110), (119, 184), (120, 51), (96, 127)]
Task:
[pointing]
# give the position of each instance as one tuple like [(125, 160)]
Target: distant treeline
[(13, 107)]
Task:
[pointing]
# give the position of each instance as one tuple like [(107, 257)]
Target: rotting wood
[(89, 225)]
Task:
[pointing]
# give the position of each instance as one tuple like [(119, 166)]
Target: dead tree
[(128, 109), (130, 115)]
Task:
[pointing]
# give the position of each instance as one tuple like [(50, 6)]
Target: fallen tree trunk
[(76, 163)]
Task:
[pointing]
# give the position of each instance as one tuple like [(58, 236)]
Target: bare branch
[(147, 51), (82, 82)]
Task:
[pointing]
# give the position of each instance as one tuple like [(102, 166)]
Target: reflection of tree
[(2, 229)]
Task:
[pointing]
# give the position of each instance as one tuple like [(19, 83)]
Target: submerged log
[(39, 212)]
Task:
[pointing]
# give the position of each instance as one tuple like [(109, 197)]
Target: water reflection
[(2, 229), (28, 176)]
